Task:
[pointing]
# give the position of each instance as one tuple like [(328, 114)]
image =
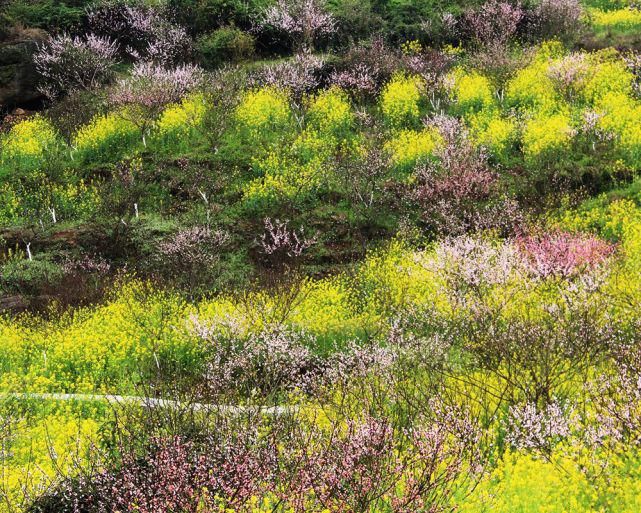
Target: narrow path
[(149, 402)]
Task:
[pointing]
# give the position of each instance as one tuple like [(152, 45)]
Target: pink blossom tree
[(304, 21), (68, 64), (494, 23), (145, 32), (563, 254), (151, 87)]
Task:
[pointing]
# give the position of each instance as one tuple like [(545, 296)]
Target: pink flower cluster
[(144, 31), (473, 263), (360, 80), (494, 23), (176, 475), (529, 427), (563, 254), (300, 76), (560, 18), (303, 20), (87, 264), (275, 360), (189, 242), (353, 464), (153, 86), (278, 239), (617, 397)]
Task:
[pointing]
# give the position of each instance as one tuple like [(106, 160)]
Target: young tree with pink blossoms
[(459, 192), (529, 427), (67, 64), (299, 76), (558, 18), (145, 32), (494, 22), (143, 95), (304, 21)]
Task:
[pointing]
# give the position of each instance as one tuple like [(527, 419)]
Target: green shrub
[(29, 276), (226, 44), (47, 14), (202, 16), (356, 19)]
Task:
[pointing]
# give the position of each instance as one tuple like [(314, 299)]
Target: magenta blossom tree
[(563, 254)]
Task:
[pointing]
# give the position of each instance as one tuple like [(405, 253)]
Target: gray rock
[(13, 304), (18, 76)]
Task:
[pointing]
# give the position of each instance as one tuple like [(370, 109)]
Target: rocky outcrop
[(13, 304), (18, 77)]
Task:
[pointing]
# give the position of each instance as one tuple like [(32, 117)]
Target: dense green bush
[(357, 20), (203, 16), (55, 15), (226, 44), (29, 276)]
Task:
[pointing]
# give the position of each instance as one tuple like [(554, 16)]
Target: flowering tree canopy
[(302, 20), (68, 63)]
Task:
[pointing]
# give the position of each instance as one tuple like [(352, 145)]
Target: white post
[(204, 197)]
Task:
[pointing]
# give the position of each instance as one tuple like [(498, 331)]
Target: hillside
[(307, 256)]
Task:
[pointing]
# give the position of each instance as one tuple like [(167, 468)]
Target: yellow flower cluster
[(106, 137), (551, 100), (546, 133), (624, 20), (177, 122), (608, 74), (493, 131), (45, 445), (412, 47), (409, 146), (470, 91), (284, 178), (26, 145), (263, 110), (330, 112), (532, 88), (620, 116), (401, 100)]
